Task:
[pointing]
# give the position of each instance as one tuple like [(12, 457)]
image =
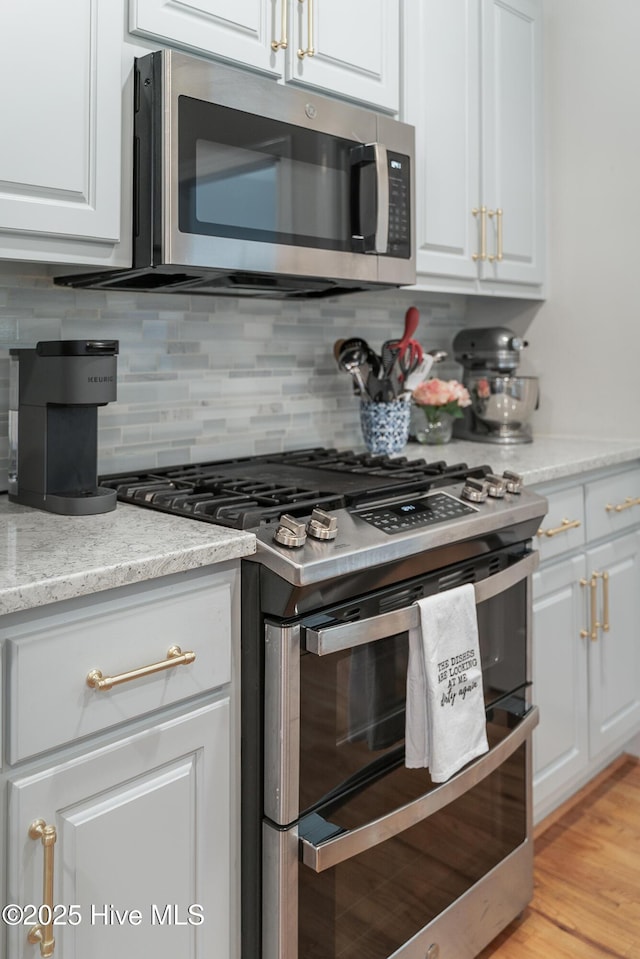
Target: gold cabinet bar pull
[(628, 503), (592, 632), (310, 51), (482, 213), (604, 625), (564, 526), (42, 932), (498, 215), (283, 42), (175, 657)]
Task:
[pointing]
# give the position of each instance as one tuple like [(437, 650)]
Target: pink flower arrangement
[(441, 396)]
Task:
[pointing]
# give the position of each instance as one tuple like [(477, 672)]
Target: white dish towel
[(445, 717)]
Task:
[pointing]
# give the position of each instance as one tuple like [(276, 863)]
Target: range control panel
[(413, 514)]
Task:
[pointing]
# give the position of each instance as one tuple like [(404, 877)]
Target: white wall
[(585, 340)]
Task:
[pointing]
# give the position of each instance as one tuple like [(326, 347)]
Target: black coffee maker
[(55, 391)]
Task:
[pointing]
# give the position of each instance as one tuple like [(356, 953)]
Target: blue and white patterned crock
[(385, 426)]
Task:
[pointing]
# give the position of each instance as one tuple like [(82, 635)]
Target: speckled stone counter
[(546, 459), (45, 558)]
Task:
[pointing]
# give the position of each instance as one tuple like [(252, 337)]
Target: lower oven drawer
[(450, 869)]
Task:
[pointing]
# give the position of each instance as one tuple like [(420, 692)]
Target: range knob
[(322, 525), (496, 486), (475, 490), (291, 532), (513, 481)]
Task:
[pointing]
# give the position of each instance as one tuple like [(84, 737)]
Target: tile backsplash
[(211, 377)]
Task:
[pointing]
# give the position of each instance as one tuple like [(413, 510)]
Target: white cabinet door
[(512, 140), (472, 88), (60, 117), (142, 828), (355, 45), (614, 661), (237, 30), (561, 740), (441, 99)]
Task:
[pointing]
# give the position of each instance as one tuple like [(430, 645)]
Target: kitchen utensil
[(356, 357)]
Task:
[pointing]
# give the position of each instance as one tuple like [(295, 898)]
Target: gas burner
[(250, 492)]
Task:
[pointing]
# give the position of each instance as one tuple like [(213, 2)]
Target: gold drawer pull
[(594, 625), (42, 933), (175, 657), (566, 524), (628, 503)]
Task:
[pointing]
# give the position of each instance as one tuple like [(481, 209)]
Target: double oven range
[(346, 852)]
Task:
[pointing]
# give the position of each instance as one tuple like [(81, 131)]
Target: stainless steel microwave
[(244, 186)]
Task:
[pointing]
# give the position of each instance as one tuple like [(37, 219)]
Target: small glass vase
[(436, 427)]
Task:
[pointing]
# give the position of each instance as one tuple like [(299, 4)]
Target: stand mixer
[(501, 401)]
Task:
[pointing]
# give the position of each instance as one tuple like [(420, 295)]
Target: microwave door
[(257, 192)]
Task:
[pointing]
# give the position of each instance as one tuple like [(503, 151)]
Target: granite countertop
[(544, 460), (46, 558)]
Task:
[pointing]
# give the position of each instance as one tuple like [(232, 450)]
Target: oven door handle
[(326, 855), (333, 639)]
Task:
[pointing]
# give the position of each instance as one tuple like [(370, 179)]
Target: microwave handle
[(333, 639), (376, 154), (325, 855)]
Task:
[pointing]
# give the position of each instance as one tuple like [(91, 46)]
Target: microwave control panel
[(399, 205)]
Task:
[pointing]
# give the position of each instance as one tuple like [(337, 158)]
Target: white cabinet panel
[(586, 641), (561, 740), (564, 527), (50, 656), (141, 824), (356, 49), (512, 139), (60, 117), (472, 87), (615, 656), (441, 100), (240, 31)]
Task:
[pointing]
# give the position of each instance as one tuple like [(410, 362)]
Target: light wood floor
[(586, 902)]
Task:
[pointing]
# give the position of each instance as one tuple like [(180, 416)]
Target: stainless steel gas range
[(347, 852)]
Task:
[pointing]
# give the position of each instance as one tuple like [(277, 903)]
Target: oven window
[(352, 703), (253, 178), (374, 903)]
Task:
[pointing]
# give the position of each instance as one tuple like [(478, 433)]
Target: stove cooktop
[(249, 492), (323, 513)]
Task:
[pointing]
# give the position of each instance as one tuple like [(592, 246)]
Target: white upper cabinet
[(241, 31), (60, 116), (351, 50), (511, 185), (472, 87), (355, 45)]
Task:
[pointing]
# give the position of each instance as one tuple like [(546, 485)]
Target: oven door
[(362, 856)]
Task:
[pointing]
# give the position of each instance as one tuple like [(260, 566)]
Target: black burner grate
[(247, 492)]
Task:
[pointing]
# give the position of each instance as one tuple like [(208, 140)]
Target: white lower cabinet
[(125, 834), (141, 858), (586, 639)]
